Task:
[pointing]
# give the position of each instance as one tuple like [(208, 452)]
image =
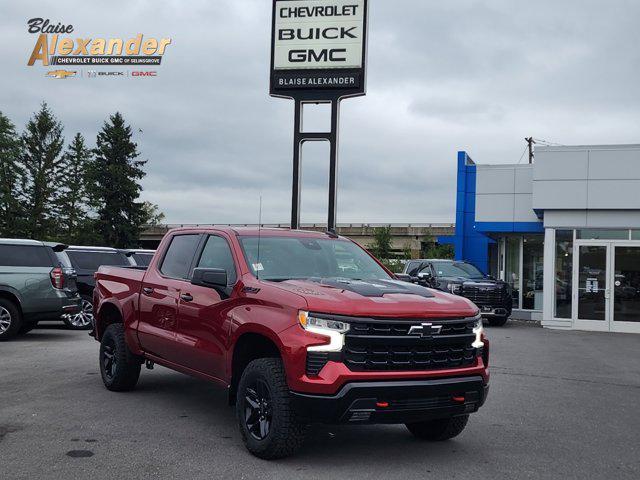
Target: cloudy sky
[(443, 76)]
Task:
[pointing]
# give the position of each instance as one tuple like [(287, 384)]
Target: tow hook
[(149, 364)]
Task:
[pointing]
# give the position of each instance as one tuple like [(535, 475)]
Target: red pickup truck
[(300, 327)]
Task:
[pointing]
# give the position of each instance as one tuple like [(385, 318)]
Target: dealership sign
[(319, 48)]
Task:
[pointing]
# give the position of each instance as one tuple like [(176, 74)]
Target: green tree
[(43, 167), (74, 223), (114, 185), (11, 173), (432, 249), (381, 246)]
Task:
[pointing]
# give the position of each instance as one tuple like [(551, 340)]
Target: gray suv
[(34, 286)]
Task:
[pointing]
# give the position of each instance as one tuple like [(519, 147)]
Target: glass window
[(532, 272), (595, 234), (142, 259), (84, 260), (63, 259), (179, 256), (457, 269), (563, 273), (512, 268), (285, 258), (217, 254), (24, 256), (635, 234), (626, 293)]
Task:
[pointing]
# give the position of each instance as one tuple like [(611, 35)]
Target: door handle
[(186, 297), (147, 290)]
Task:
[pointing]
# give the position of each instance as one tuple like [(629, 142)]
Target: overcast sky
[(443, 76)]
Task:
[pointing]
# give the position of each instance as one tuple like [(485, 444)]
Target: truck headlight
[(478, 329), (333, 329), (454, 288)]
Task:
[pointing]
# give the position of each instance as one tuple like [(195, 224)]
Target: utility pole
[(531, 143)]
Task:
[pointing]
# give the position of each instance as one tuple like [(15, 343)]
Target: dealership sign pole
[(318, 55)]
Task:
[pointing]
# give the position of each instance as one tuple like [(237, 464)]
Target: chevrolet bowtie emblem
[(425, 330), (61, 74)]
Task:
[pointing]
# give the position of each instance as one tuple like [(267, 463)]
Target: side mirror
[(210, 277), (404, 277)]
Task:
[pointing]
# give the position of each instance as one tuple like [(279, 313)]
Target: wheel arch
[(107, 315), (250, 345), (12, 295)]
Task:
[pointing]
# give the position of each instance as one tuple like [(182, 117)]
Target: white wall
[(504, 193), (587, 178)]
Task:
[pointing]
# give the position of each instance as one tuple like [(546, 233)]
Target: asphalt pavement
[(562, 405)]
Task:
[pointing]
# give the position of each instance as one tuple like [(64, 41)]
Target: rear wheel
[(498, 321), (439, 430), (10, 319), (266, 417), (119, 367), (84, 318)]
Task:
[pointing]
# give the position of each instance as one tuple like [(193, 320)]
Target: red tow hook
[(458, 399)]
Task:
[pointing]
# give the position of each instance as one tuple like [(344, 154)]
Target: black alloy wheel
[(109, 359), (258, 409)]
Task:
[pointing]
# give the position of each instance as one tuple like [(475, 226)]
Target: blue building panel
[(471, 240)]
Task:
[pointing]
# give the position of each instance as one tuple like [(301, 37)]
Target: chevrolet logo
[(425, 330), (61, 74)]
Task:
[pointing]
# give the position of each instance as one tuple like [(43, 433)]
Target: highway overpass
[(404, 236)]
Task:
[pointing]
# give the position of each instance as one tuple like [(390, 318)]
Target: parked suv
[(33, 286), (86, 261), (139, 257), (493, 297)]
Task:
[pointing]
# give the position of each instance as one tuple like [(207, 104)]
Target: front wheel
[(266, 417), (439, 430), (119, 367), (498, 321), (10, 319), (82, 320)]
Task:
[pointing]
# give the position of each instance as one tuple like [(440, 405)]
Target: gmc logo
[(144, 74)]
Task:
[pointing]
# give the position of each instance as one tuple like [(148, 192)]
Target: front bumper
[(394, 401)]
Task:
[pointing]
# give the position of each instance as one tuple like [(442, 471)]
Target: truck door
[(203, 314), (160, 294)]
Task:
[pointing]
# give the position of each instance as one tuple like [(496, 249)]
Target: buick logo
[(425, 330)]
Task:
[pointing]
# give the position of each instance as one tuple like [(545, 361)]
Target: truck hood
[(474, 282), (378, 298)]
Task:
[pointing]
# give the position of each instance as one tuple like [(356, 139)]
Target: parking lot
[(562, 404)]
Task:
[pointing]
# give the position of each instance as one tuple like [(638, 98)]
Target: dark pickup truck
[(493, 297), (300, 328)]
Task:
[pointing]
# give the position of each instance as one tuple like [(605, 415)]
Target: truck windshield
[(288, 258), (457, 269)]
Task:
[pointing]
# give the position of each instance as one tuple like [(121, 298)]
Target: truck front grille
[(379, 345), (483, 296)]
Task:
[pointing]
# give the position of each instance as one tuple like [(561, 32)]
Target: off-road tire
[(286, 433), (439, 430), (15, 319), (124, 375), (498, 321)]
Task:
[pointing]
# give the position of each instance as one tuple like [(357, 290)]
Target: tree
[(11, 173), (114, 188), (432, 249), (43, 173), (75, 226), (381, 246)]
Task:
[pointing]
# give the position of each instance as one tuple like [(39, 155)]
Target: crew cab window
[(179, 256), (86, 260), (24, 256), (217, 254), (142, 259)]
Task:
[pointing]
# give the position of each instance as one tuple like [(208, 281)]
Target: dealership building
[(564, 232)]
